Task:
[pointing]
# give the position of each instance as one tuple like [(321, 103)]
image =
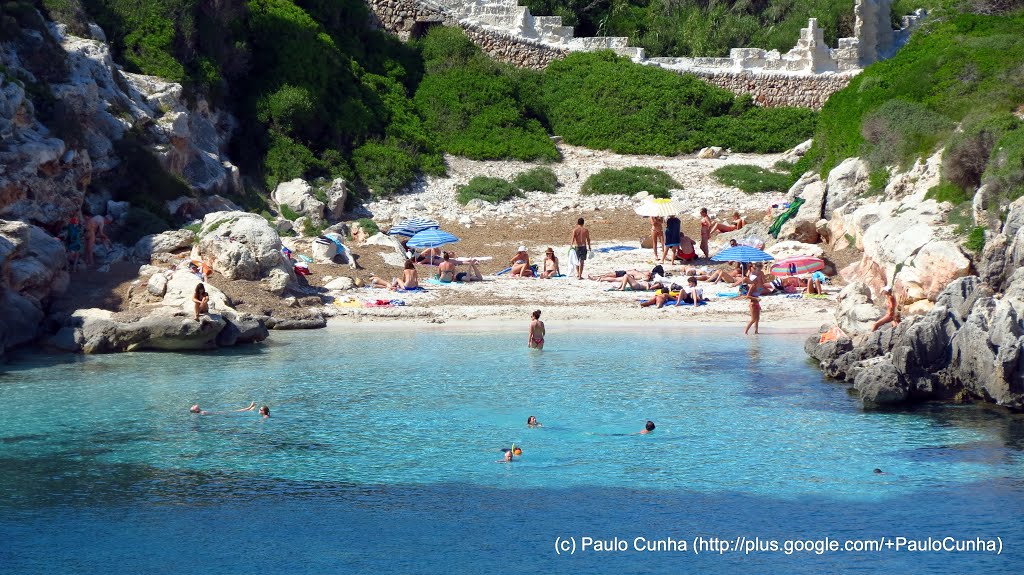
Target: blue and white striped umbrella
[(431, 238), (412, 227), (743, 254)]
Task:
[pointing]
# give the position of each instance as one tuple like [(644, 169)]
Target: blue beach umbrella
[(431, 238), (413, 226), (742, 254)]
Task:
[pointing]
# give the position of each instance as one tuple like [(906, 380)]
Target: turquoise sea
[(381, 456)]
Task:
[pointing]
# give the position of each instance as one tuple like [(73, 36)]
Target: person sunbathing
[(659, 298), (645, 284), (726, 275), (473, 275), (410, 279), (617, 275), (446, 269), (691, 294), (429, 256), (520, 264), (550, 265), (737, 222)]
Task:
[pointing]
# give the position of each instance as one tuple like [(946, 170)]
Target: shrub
[(538, 179), (898, 131), (1004, 173), (961, 217), (386, 168), (286, 160), (368, 225), (288, 213), (629, 181), (141, 222), (877, 181), (288, 109), (947, 192), (603, 101), (976, 240), (752, 179), (493, 190)]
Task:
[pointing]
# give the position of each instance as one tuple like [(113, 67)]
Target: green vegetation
[(141, 222), (492, 190), (369, 226), (629, 181), (976, 240), (954, 85), (700, 27), (753, 179), (600, 100), (877, 181), (288, 213), (539, 179)]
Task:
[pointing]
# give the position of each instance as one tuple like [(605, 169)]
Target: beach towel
[(816, 295), (413, 289), (504, 271), (616, 249), (727, 294), (306, 258), (785, 216), (438, 282)]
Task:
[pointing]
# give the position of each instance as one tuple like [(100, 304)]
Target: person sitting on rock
[(891, 315), (201, 300)]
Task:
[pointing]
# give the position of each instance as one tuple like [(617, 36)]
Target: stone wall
[(773, 89), (805, 76)]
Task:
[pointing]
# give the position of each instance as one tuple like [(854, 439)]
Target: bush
[(286, 160), (1004, 173), (289, 109), (141, 222), (962, 65), (753, 179), (877, 181), (538, 179), (288, 213), (492, 190), (368, 225), (386, 168), (603, 101), (976, 240), (947, 192), (629, 181)]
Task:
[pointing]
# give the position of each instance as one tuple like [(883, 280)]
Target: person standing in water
[(755, 312), (580, 242), (536, 332)]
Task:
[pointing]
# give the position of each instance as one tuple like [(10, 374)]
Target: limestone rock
[(812, 190), (788, 248), (157, 285), (243, 246), (337, 193), (324, 252), (297, 194), (939, 263), (340, 284), (710, 152), (803, 231), (845, 182), (166, 242), (881, 384)]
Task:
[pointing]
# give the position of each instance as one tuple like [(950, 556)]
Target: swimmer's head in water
[(194, 408), (531, 420), (877, 470), (649, 426), (508, 455), (265, 411)]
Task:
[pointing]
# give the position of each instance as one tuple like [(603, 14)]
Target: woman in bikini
[(705, 231), (657, 233), (202, 300), (755, 312), (520, 264), (410, 279), (727, 275), (550, 265), (736, 223), (536, 332)]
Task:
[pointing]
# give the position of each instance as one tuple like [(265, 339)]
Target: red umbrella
[(797, 265)]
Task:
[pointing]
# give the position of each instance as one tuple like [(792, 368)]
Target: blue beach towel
[(415, 289), (727, 294), (616, 249), (306, 259)]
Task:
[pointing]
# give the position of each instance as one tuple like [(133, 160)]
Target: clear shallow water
[(380, 457)]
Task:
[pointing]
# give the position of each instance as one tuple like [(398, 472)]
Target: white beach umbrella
[(659, 207)]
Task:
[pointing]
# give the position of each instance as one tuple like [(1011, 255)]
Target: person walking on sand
[(705, 231), (580, 242), (657, 233), (755, 313), (890, 310), (537, 332)]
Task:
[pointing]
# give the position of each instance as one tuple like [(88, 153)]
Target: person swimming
[(649, 427), (532, 422)]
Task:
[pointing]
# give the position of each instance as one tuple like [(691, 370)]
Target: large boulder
[(164, 243), (32, 271), (881, 384), (938, 263), (245, 246), (337, 193), (812, 190), (96, 331), (847, 181), (297, 194)]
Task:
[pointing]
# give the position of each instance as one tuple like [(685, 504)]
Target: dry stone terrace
[(804, 76)]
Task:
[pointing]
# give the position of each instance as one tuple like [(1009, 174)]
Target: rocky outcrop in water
[(32, 270)]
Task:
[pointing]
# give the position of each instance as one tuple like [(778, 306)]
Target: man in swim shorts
[(580, 242)]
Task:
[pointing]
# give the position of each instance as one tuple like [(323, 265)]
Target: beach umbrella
[(659, 207), (796, 265), (743, 254), (413, 226), (431, 238)]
